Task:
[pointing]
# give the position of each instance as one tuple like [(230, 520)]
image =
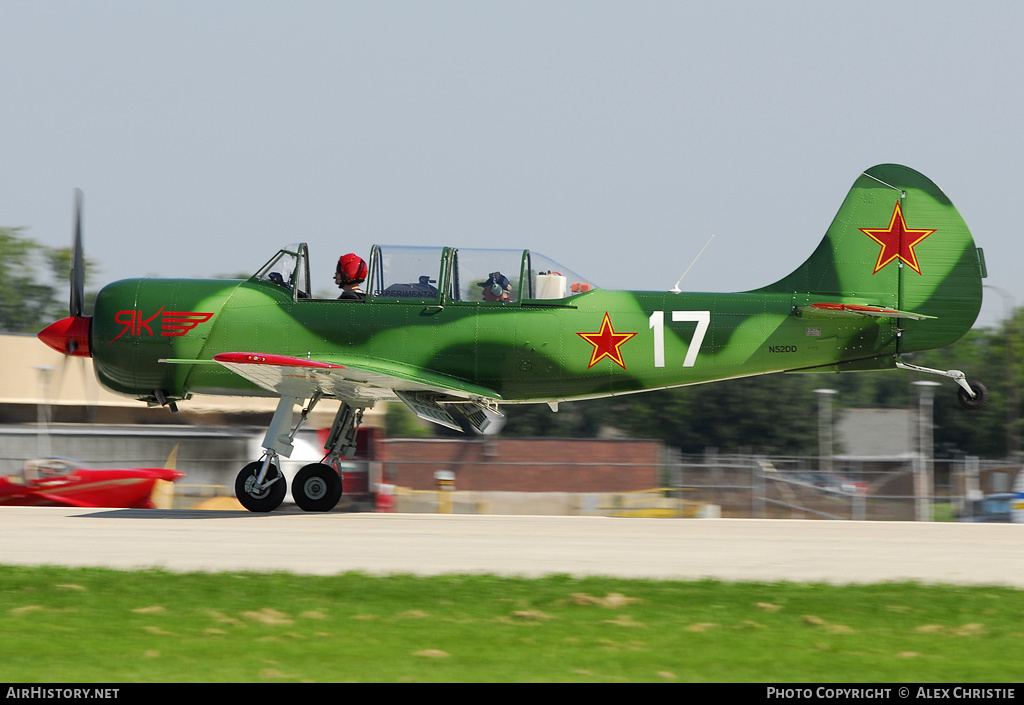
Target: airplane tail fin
[(897, 248)]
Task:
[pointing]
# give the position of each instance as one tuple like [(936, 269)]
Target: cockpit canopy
[(289, 268), (433, 274)]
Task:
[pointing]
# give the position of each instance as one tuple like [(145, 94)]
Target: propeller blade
[(77, 261)]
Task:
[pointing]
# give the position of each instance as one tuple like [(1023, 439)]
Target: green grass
[(93, 625)]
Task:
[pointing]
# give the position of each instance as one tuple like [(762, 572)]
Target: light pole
[(1012, 399), (43, 411), (923, 468), (825, 429)]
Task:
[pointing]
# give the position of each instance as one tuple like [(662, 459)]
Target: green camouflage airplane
[(446, 332)]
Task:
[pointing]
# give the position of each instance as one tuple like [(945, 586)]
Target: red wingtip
[(69, 336)]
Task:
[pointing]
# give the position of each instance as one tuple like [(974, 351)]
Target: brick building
[(526, 465)]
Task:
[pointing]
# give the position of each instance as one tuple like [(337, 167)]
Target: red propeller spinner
[(70, 336)]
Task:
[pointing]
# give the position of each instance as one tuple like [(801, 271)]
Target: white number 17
[(657, 324)]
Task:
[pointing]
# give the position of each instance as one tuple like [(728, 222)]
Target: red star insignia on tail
[(606, 343), (897, 241)]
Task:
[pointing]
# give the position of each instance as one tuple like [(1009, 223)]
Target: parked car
[(833, 483), (990, 508)]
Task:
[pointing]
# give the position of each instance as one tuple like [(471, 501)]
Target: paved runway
[(727, 549)]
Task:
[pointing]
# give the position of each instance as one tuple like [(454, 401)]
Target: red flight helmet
[(352, 269)]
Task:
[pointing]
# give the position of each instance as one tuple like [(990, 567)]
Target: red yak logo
[(172, 323)]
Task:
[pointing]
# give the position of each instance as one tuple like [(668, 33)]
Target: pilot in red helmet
[(348, 275)]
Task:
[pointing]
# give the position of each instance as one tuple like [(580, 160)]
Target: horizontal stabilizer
[(829, 309)]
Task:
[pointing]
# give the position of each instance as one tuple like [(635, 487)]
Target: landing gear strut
[(972, 394), (260, 486)]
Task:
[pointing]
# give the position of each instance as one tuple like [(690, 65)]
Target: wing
[(359, 383), (60, 499)]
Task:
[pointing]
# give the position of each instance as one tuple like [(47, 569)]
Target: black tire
[(260, 500), (316, 488), (978, 401)]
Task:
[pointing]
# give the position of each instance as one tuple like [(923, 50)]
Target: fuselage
[(593, 344)]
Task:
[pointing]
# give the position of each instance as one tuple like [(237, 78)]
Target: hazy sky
[(614, 137)]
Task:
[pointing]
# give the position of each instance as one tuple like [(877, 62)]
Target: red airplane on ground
[(61, 482)]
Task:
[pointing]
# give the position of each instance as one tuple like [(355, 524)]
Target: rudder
[(898, 243)]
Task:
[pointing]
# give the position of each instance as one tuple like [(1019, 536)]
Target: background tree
[(758, 414), (982, 355), (33, 282)]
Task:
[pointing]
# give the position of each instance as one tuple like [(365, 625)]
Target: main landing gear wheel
[(980, 398), (265, 497), (316, 488)]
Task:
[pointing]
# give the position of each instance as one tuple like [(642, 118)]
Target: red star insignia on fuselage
[(606, 343), (897, 241)]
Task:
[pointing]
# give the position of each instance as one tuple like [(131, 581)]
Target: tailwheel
[(258, 496), (316, 488), (979, 399), (972, 394)]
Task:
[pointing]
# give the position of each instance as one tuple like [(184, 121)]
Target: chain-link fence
[(664, 484), (739, 486), (906, 488)]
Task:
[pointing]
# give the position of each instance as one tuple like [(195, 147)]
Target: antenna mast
[(676, 289)]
